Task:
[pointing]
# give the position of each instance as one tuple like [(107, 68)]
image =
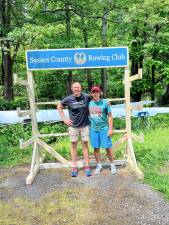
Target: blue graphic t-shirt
[(78, 109), (98, 112)]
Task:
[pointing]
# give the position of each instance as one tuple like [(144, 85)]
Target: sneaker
[(74, 172), (88, 171), (113, 169), (98, 169)]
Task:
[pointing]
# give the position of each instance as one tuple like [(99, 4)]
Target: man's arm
[(68, 122), (110, 122)]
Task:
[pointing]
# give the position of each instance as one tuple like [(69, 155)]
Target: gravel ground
[(117, 199)]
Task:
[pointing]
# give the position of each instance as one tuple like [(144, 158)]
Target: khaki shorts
[(83, 132)]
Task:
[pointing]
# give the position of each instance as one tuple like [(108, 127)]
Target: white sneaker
[(98, 169), (113, 169)]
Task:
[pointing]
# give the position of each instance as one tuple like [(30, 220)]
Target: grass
[(59, 207), (153, 155)]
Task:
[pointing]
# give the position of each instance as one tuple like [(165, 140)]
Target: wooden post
[(37, 156), (35, 132), (130, 151), (127, 102), (31, 95)]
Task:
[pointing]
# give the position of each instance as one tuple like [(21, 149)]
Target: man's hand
[(110, 132), (68, 122)]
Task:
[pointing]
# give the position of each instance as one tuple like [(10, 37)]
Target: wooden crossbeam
[(119, 142), (25, 144), (80, 164), (116, 99), (18, 80), (50, 150), (53, 135), (47, 103), (22, 113), (136, 76), (137, 107), (138, 138)]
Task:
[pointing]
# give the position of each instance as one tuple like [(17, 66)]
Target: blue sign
[(77, 58)]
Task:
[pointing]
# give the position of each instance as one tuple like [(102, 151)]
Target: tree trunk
[(5, 9), (104, 44), (69, 82), (68, 32), (134, 67), (7, 66), (165, 97), (154, 56), (152, 83), (137, 96), (87, 71)]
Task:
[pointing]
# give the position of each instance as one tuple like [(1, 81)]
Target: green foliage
[(12, 155), (151, 122), (153, 156), (140, 26), (119, 123), (52, 128), (19, 101), (15, 132)]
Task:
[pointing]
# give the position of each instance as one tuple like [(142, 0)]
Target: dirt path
[(56, 198)]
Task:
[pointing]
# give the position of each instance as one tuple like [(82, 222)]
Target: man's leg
[(84, 132), (95, 142), (74, 153), (73, 132), (110, 154), (86, 157), (98, 159), (97, 155), (74, 172), (85, 149), (85, 139), (111, 158), (107, 144)]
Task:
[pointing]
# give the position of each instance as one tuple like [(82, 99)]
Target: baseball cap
[(95, 88)]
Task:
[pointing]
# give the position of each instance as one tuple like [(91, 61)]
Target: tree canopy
[(140, 25)]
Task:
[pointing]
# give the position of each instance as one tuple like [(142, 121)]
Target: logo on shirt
[(80, 58), (77, 105), (95, 111)]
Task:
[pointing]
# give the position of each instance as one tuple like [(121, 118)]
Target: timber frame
[(39, 145)]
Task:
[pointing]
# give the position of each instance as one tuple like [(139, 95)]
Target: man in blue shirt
[(101, 124), (78, 124)]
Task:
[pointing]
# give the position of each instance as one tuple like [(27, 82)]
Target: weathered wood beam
[(25, 144), (80, 164), (50, 150), (22, 113), (138, 138), (136, 76), (18, 80)]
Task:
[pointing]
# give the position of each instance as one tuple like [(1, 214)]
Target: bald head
[(76, 89)]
